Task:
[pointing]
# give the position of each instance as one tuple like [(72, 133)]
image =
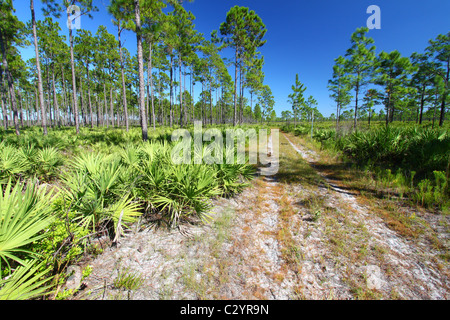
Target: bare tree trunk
[(235, 86), (28, 113), (64, 91), (89, 96), (151, 86), (48, 94), (124, 91), (222, 118), (210, 104), (241, 95), (55, 100), (38, 68), (204, 116), (444, 96), (74, 85), (184, 89), (83, 114), (435, 107), (171, 93), (161, 109), (10, 84), (441, 117), (422, 101), (193, 103), (104, 106), (181, 95), (98, 110), (37, 104), (217, 106), (111, 107), (356, 106), (388, 107), (137, 12), (3, 93), (21, 108)]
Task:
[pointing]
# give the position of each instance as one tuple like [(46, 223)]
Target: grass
[(383, 191), (412, 161), (128, 280)]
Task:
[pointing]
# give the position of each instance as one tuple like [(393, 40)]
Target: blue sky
[(303, 37)]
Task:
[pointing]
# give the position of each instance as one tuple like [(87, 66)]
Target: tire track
[(409, 268)]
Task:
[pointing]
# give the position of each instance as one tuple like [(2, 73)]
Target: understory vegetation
[(61, 191), (413, 161)]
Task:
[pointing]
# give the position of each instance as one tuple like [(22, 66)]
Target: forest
[(86, 162)]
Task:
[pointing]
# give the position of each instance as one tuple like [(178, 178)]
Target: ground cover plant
[(90, 114), (412, 159), (91, 187)]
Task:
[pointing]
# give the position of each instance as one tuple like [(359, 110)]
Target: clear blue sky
[(303, 37)]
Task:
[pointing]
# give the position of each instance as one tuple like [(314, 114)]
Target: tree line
[(362, 79), (91, 79), (402, 85)]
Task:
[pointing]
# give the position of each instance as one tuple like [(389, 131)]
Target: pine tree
[(393, 70), (340, 87), (439, 50), (56, 8), (11, 31), (242, 30), (360, 62), (296, 98)]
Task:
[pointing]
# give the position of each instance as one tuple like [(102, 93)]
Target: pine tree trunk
[(28, 113), (74, 85), (337, 118), (171, 93), (181, 93), (222, 118), (48, 95), (210, 104), (151, 87), (104, 113), (434, 108), (241, 95), (141, 71), (10, 84), (89, 96), (20, 108), (55, 100), (3, 94), (82, 109), (356, 106), (193, 102), (184, 89), (38, 69), (444, 96), (111, 105), (124, 91), (388, 107), (147, 103), (64, 91), (235, 86), (422, 101), (441, 117), (98, 110), (117, 109)]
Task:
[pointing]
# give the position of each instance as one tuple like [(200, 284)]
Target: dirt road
[(296, 235)]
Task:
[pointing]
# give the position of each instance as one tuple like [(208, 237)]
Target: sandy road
[(275, 240)]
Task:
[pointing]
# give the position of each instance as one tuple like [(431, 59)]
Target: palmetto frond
[(22, 218), (26, 282)]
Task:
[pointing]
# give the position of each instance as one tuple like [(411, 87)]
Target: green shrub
[(23, 217)]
